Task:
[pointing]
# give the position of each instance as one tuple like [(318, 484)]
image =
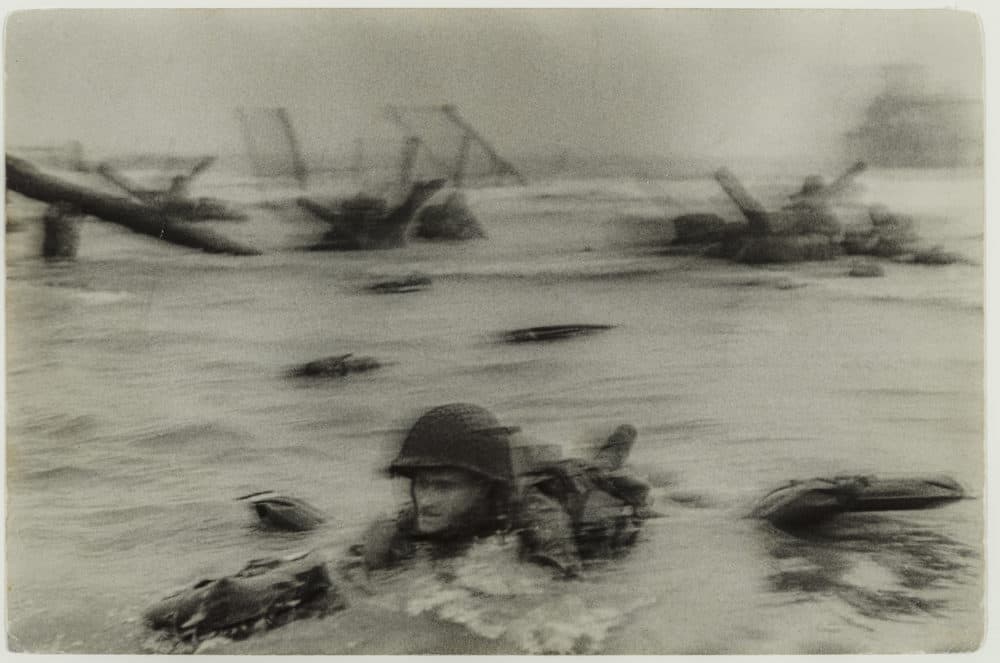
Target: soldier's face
[(443, 498)]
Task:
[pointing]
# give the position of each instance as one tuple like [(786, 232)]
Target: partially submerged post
[(756, 215), (61, 237), (298, 163), (407, 161), (501, 165)]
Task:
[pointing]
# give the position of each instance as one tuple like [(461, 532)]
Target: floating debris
[(335, 366), (265, 594), (282, 512), (550, 333), (802, 503), (412, 283)]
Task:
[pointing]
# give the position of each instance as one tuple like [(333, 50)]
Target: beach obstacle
[(61, 237), (23, 178)]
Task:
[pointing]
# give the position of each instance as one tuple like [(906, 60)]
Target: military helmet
[(458, 435)]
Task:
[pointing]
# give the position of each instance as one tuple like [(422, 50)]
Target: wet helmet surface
[(458, 435)]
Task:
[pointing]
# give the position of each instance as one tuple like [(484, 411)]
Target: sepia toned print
[(494, 331)]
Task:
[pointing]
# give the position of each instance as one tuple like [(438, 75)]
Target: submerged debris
[(550, 333), (335, 366), (411, 283)]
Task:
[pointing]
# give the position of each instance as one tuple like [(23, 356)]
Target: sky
[(647, 82)]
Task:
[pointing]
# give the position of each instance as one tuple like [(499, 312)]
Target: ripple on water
[(179, 436)]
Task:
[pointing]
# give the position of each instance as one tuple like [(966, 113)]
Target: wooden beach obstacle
[(452, 219), (365, 223), (23, 178), (175, 201), (61, 234), (804, 230)]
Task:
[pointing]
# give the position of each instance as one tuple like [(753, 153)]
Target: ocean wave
[(183, 435), (60, 474)]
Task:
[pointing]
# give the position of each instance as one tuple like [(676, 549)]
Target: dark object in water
[(175, 201), (786, 249), (804, 230), (61, 232), (27, 180), (550, 333), (365, 223), (866, 270), (266, 593), (411, 283), (935, 256), (450, 220), (336, 366), (281, 512), (699, 228), (815, 500)]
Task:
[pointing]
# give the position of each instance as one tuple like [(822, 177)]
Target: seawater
[(146, 390)]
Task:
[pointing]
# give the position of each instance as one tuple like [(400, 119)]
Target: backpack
[(601, 510)]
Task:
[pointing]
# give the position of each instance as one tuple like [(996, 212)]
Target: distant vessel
[(907, 127)]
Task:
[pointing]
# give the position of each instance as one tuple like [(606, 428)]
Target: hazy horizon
[(712, 84)]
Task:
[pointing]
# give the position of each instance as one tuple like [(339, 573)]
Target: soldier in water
[(464, 487)]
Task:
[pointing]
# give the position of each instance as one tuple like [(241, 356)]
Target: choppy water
[(146, 391)]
